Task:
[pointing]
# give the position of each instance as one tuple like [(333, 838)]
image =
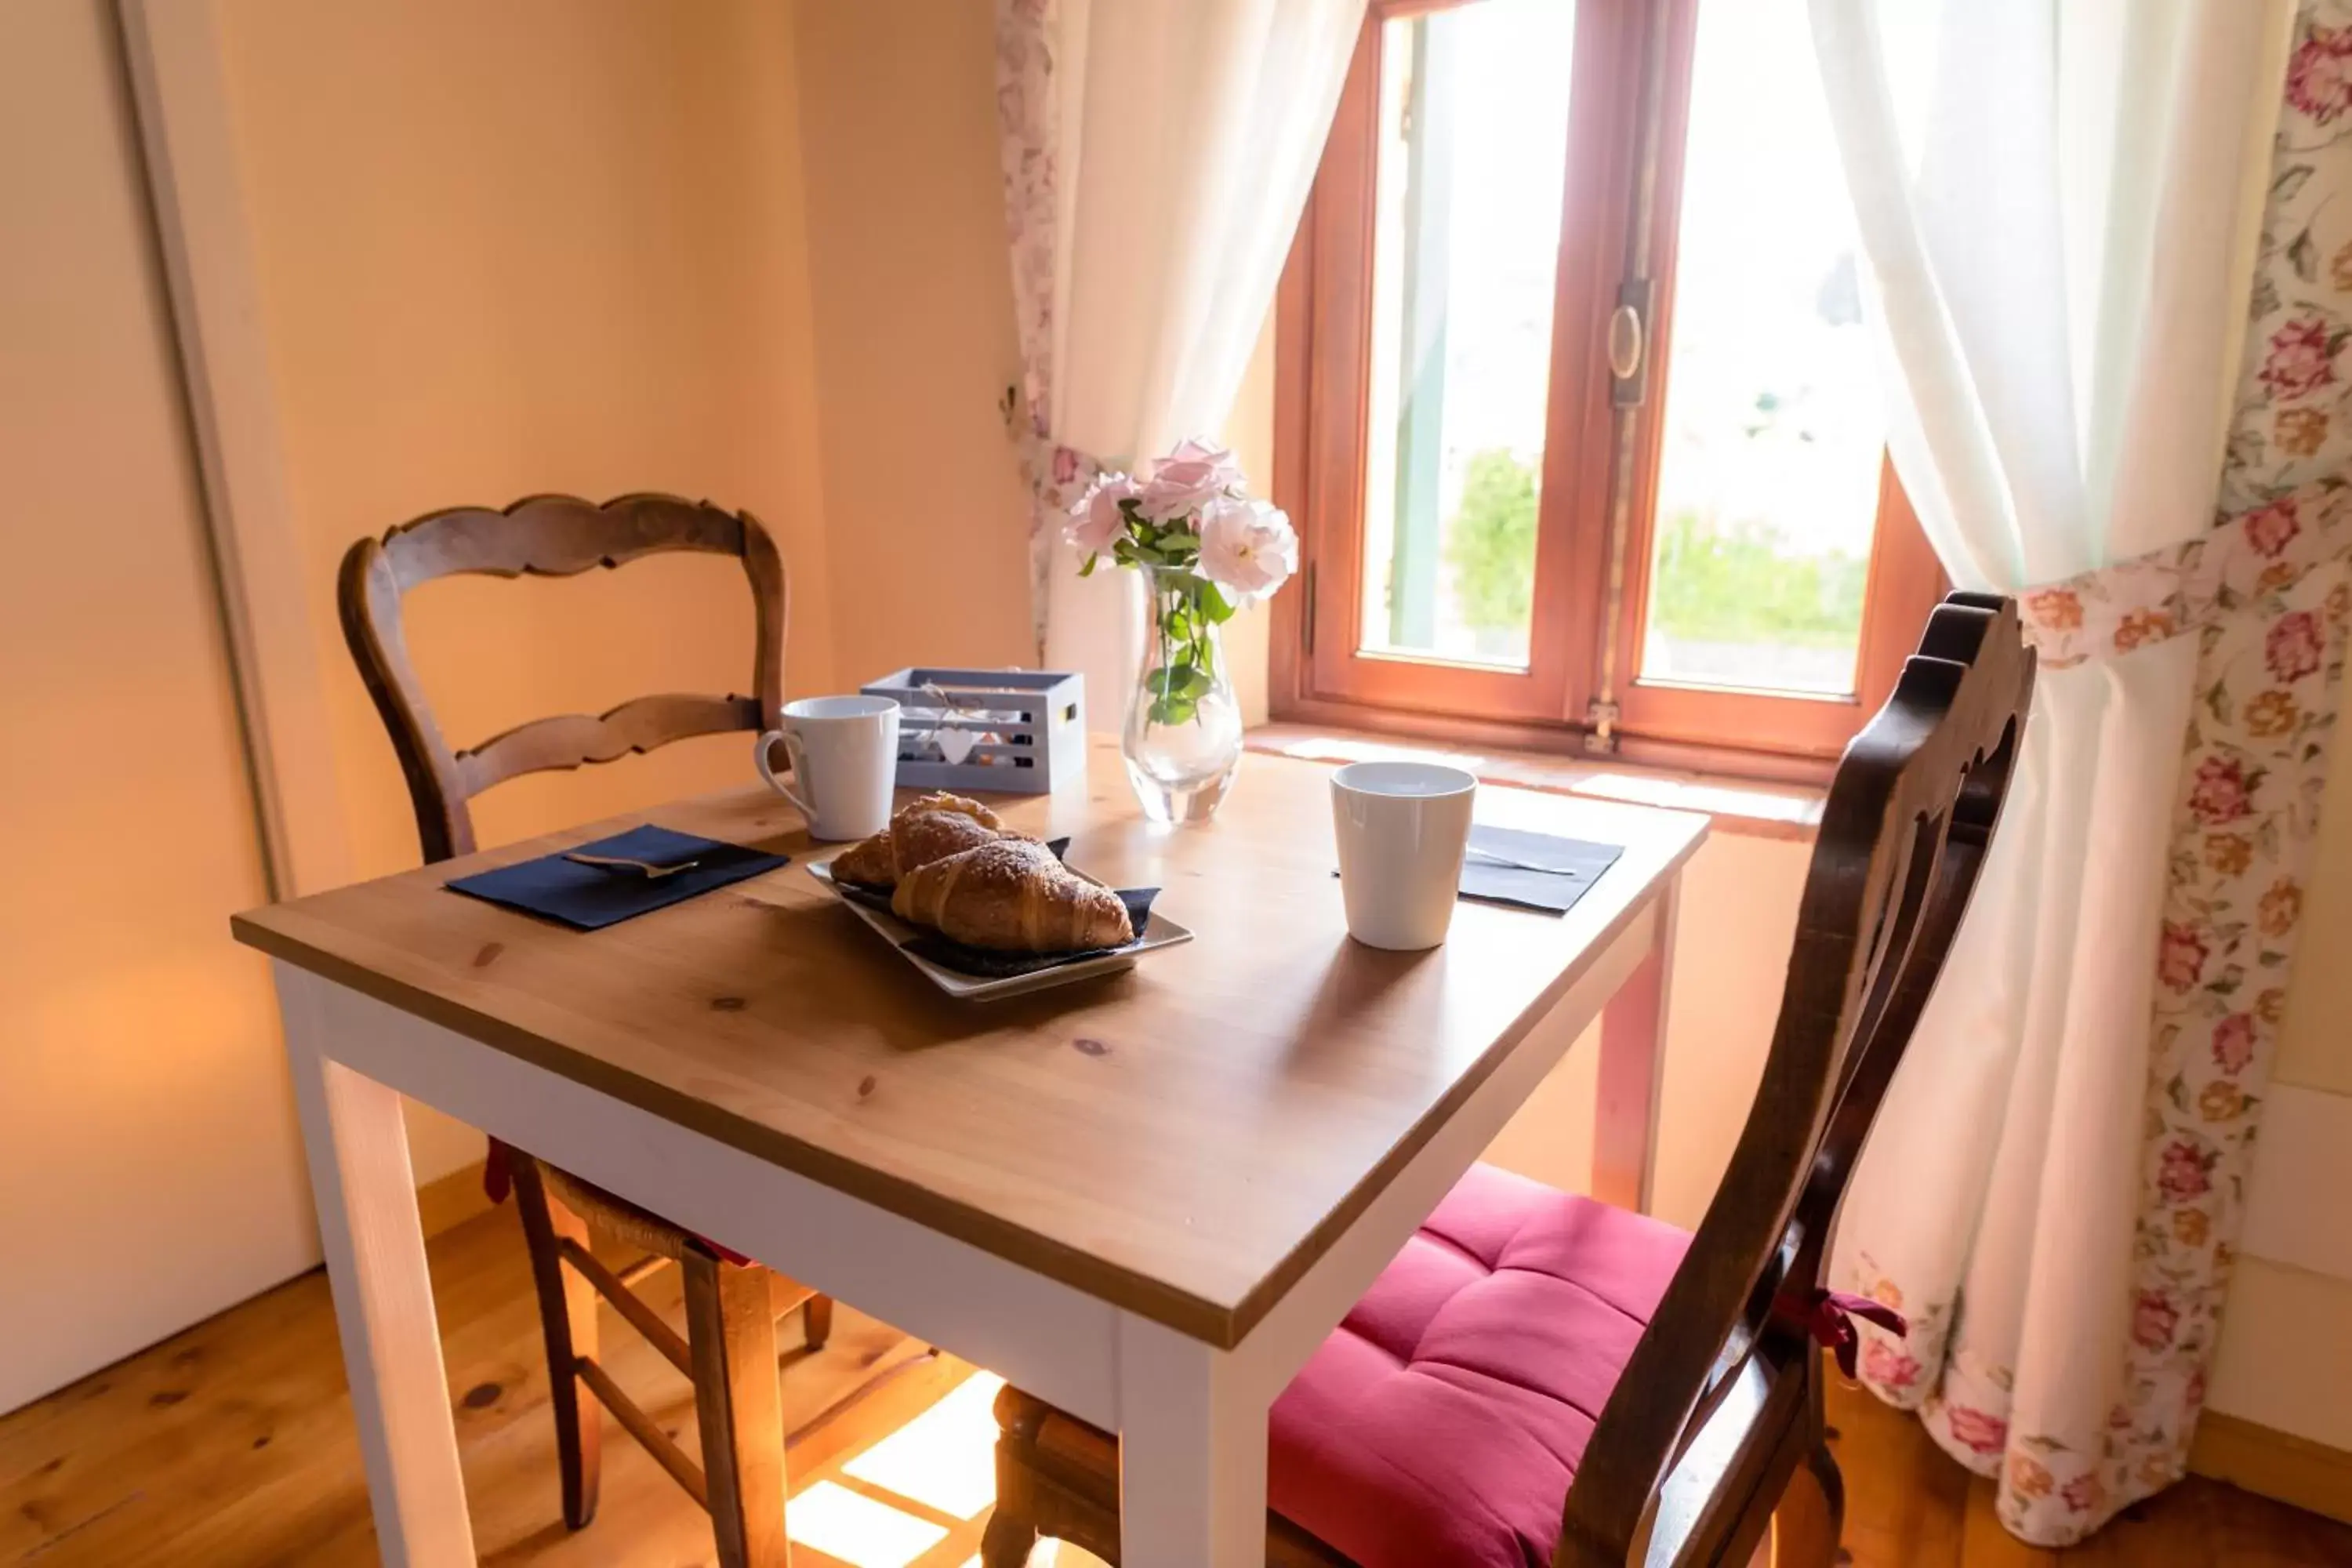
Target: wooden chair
[(728, 1351), (1709, 1403)]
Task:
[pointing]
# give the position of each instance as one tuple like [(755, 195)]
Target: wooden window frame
[(1628, 109)]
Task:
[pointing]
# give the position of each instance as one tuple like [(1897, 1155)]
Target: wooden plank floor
[(232, 1445)]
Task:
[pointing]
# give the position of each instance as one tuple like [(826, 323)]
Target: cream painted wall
[(926, 513), (546, 245), (149, 1170)]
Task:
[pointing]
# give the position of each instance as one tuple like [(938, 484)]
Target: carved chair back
[(1680, 1468), (545, 536)]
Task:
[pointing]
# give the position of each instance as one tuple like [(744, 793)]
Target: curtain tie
[(1827, 1318), (2243, 564), (1058, 475)]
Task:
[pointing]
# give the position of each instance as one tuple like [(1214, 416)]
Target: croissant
[(1012, 896), (927, 828)]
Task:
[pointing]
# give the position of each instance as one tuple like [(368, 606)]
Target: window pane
[(1768, 486), (1473, 156)]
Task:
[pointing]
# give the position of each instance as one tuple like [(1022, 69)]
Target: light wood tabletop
[(1182, 1139)]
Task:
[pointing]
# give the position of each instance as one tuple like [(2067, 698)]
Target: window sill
[(1736, 805)]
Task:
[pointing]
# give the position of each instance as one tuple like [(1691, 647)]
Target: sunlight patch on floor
[(830, 1518), (944, 1458), (886, 1505)]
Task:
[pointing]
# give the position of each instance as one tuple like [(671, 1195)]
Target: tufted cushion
[(1441, 1422)]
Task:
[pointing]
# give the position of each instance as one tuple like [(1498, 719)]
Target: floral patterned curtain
[(1156, 156), (2261, 599)]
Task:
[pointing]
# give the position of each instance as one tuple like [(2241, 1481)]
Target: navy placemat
[(1571, 866), (590, 898)]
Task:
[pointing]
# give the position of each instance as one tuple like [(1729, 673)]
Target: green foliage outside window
[(1735, 586), (1492, 544), (1740, 585)]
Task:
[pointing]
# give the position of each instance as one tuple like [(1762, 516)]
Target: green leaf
[(1213, 604), (1180, 538), (1189, 680), (2304, 256), (1088, 569)]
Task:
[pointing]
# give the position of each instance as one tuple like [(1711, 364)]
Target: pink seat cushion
[(1443, 1422)]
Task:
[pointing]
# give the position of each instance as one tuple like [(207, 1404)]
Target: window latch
[(1629, 346)]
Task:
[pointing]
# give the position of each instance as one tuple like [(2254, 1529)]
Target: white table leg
[(1192, 1478), (366, 1195), (1632, 1069)]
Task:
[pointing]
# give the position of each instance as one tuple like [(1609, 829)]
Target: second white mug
[(1403, 828), (845, 762)]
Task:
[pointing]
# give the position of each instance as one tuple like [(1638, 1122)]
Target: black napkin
[(986, 964), (590, 898), (1574, 866)]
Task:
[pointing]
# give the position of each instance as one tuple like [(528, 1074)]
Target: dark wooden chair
[(728, 1351), (1714, 1418)]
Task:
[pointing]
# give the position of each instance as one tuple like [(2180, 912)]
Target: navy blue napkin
[(590, 898), (1571, 866)]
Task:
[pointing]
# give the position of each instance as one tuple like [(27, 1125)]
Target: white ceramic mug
[(845, 760), (1403, 828)]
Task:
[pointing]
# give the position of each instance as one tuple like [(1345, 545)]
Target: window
[(1576, 411)]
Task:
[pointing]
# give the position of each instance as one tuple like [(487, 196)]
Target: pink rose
[(2181, 1176), (1248, 546), (2319, 74), (1189, 478), (2292, 648), (2180, 957), (1096, 523), (2302, 358), (2154, 1317), (1985, 1434), (2233, 1042), (2084, 1493), (2273, 528), (2218, 793), (1887, 1365)]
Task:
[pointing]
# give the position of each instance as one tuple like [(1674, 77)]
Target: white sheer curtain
[(2057, 199), (1158, 155)]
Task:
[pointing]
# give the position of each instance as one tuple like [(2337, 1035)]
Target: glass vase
[(1183, 740)]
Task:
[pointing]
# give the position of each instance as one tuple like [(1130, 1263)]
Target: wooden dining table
[(1145, 1197)]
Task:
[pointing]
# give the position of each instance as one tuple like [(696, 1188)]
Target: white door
[(150, 1173)]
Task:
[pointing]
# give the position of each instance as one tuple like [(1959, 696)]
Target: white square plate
[(1158, 933)]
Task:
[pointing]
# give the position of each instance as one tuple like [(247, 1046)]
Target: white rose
[(1248, 546), (1096, 521), (1189, 478)]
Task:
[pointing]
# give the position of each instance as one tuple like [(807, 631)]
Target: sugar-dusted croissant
[(1012, 896), (928, 827)]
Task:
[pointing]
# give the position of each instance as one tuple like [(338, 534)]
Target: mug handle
[(792, 745)]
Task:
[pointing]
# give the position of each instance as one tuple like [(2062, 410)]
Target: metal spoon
[(1491, 858), (623, 863)]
